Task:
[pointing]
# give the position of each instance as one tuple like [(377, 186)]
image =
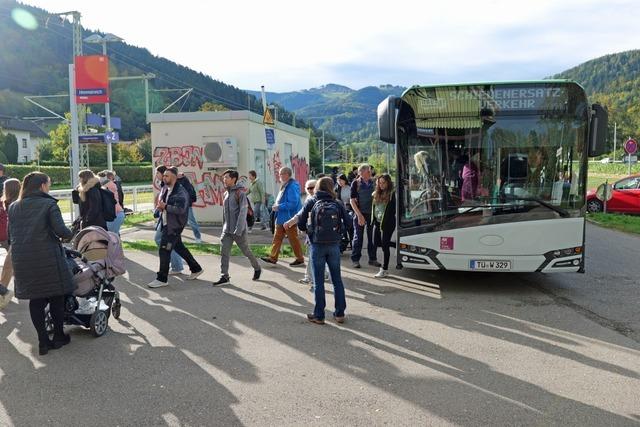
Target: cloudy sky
[(290, 45)]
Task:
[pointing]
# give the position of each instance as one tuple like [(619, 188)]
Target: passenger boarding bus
[(492, 176)]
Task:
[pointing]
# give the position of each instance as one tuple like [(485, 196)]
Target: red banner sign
[(92, 79)]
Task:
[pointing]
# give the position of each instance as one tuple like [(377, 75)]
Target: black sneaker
[(374, 263), (268, 260), (297, 263), (223, 280), (256, 274), (313, 319)]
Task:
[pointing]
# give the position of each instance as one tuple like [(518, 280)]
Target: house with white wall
[(204, 144)]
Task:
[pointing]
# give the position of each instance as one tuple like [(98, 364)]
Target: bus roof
[(503, 83)]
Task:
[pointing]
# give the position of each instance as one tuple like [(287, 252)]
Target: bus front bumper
[(545, 263)]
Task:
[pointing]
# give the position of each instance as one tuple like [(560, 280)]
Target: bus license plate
[(490, 265)]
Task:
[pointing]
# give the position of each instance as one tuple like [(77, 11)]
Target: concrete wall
[(178, 139)]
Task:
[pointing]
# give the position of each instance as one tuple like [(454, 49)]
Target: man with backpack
[(328, 221), (234, 227), (361, 203), (186, 184), (258, 199), (172, 205)]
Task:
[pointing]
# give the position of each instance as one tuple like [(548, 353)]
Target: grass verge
[(137, 218), (206, 248), (626, 223)]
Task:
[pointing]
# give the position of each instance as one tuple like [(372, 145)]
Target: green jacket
[(256, 192)]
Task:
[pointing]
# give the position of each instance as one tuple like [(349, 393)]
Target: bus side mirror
[(598, 130), (387, 119)]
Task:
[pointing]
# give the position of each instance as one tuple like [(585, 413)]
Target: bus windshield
[(477, 155)]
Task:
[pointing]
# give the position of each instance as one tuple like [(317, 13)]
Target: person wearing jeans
[(361, 203), (325, 247), (191, 219), (195, 227), (172, 204), (258, 199)]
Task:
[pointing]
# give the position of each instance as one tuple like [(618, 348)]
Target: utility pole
[(615, 130), (322, 151)]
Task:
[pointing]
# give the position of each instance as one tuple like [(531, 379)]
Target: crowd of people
[(336, 213)]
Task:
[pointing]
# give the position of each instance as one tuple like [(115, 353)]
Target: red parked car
[(625, 199)]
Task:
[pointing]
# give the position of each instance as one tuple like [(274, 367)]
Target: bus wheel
[(594, 205)]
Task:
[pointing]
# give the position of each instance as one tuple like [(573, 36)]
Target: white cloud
[(291, 44)]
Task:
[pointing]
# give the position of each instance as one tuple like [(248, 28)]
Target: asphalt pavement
[(418, 348)]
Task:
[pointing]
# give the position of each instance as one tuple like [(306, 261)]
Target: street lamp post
[(103, 40)]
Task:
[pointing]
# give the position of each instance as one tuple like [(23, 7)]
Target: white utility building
[(205, 144)]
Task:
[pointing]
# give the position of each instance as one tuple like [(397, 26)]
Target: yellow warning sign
[(267, 119)]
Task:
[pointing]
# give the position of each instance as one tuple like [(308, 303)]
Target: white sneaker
[(198, 241), (304, 280), (381, 273), (6, 299), (157, 284), (175, 272), (194, 276)]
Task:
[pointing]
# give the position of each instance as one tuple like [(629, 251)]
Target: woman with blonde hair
[(87, 196), (383, 219), (10, 195), (41, 273)]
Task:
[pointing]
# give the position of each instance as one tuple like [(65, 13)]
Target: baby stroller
[(96, 260)]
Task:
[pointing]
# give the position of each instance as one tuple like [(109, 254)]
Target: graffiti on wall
[(208, 185), (298, 164)]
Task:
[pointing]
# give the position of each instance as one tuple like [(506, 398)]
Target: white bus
[(492, 176)]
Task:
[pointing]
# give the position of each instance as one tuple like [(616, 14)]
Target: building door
[(260, 165)]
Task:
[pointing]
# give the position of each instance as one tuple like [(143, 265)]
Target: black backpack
[(251, 219), (108, 205), (326, 222)]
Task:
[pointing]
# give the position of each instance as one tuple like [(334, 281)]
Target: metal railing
[(138, 198)]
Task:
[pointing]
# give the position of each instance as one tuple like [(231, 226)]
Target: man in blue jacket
[(287, 204)]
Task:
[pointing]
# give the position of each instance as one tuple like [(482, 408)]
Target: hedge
[(613, 168), (62, 174)]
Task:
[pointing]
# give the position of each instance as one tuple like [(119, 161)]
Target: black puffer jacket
[(90, 204), (39, 263)]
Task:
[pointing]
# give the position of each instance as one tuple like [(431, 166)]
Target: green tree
[(9, 146), (60, 140), (212, 106), (45, 151), (315, 159), (144, 145)]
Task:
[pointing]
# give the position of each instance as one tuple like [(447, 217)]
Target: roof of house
[(8, 123)]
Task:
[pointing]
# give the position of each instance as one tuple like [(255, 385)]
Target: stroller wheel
[(115, 309), (99, 323)]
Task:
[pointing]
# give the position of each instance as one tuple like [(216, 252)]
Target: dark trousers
[(56, 308), (174, 243), (358, 238), (382, 238), (327, 254)]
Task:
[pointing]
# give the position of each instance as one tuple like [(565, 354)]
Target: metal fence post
[(135, 199)]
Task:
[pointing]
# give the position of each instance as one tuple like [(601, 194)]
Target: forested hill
[(614, 81), (348, 114), (34, 62)]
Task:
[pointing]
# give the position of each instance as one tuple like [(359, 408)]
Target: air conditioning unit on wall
[(220, 152)]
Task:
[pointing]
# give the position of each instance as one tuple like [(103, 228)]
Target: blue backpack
[(326, 222)]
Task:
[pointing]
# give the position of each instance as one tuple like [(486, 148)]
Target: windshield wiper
[(563, 213), (452, 217)]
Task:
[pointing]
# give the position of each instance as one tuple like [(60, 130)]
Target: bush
[(62, 174), (613, 168)]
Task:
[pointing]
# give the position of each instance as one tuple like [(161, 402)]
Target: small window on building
[(24, 142), (288, 152)]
